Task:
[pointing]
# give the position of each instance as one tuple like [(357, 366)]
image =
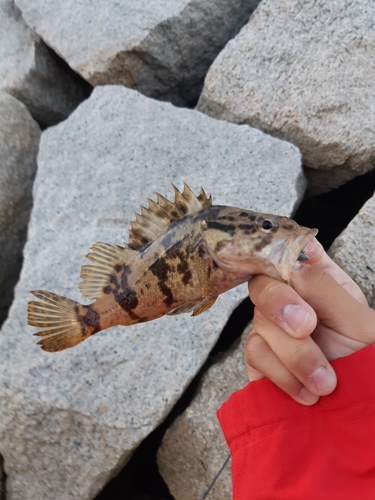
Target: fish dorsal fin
[(159, 215), (149, 224), (107, 261)]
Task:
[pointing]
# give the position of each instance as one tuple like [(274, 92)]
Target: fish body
[(179, 258)]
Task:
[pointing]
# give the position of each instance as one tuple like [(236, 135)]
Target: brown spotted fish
[(179, 258)]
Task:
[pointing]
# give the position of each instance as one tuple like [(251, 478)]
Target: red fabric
[(283, 450)]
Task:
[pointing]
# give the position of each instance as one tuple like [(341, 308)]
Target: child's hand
[(296, 330)]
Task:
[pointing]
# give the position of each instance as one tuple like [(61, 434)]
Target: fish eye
[(267, 225)]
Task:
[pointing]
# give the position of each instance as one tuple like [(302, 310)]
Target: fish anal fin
[(159, 215), (107, 260), (204, 306), (60, 321)]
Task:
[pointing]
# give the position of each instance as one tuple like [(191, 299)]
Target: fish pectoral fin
[(204, 306), (107, 261), (185, 308), (58, 318)]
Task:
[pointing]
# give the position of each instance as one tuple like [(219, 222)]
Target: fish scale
[(180, 257)]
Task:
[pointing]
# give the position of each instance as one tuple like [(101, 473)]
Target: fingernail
[(308, 397), (324, 380), (295, 316)]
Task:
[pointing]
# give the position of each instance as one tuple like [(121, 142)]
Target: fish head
[(247, 243)]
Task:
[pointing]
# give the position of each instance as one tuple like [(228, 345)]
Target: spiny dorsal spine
[(158, 216)]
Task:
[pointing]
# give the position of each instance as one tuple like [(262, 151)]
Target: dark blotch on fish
[(226, 228), (248, 228), (266, 240), (129, 303), (219, 245)]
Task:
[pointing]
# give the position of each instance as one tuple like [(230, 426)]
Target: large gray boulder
[(194, 458), (353, 251), (29, 72), (161, 48), (304, 71), (70, 420), (19, 142)]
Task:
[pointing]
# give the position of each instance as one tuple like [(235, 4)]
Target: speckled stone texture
[(162, 48), (29, 72), (353, 250), (70, 420), (193, 458), (304, 71), (19, 142)]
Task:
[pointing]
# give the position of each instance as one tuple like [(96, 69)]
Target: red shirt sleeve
[(283, 450)]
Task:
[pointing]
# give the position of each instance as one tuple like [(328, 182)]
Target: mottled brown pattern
[(180, 257)]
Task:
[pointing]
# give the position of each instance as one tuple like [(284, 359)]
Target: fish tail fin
[(61, 321)]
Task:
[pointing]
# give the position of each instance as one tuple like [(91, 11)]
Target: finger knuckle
[(259, 317), (298, 356), (255, 348), (324, 280)]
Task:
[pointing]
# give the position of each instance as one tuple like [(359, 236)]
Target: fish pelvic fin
[(185, 308), (159, 215), (204, 306), (107, 261), (61, 321), (197, 306)]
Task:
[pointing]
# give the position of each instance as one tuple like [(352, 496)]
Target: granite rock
[(161, 48), (304, 72), (194, 458), (352, 250), (19, 142), (29, 72), (70, 420)]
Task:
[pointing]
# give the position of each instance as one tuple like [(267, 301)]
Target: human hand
[(297, 330)]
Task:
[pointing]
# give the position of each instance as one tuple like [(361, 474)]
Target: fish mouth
[(294, 251), (302, 256)]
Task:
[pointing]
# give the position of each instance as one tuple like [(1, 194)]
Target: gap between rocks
[(78, 80), (2, 479), (330, 213)]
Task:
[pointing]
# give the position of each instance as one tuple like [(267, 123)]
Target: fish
[(180, 257)]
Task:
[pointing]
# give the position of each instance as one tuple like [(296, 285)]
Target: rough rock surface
[(30, 73), (304, 72), (161, 48), (69, 420), (194, 458), (19, 142), (353, 250)]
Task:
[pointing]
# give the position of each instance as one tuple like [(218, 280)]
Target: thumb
[(337, 301)]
